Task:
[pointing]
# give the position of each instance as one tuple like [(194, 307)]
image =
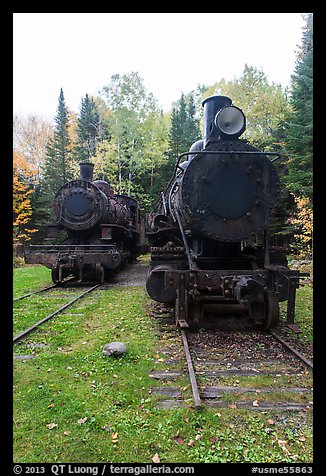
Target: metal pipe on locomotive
[(103, 230), (211, 251)]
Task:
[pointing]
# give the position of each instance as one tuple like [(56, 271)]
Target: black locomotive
[(211, 246), (103, 231)]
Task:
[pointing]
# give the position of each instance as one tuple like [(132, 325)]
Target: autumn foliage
[(22, 190), (302, 223)]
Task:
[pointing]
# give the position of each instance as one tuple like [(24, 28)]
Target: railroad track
[(35, 292), (52, 286), (250, 369), (22, 335)]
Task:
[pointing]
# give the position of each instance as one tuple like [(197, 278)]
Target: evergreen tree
[(90, 130), (299, 124), (57, 170), (184, 130), (192, 129)]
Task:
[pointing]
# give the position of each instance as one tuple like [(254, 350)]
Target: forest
[(134, 145)]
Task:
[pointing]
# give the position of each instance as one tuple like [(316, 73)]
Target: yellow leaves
[(114, 437), (303, 221), (22, 191)]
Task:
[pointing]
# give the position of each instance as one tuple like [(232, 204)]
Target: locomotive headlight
[(230, 121)]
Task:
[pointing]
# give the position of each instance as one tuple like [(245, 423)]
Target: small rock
[(115, 349)]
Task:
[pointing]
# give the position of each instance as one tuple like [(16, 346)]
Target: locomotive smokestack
[(211, 106), (86, 171)]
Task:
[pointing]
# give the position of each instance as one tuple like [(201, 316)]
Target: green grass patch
[(303, 313), (30, 278), (72, 404)]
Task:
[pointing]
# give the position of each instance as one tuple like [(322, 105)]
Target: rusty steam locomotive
[(211, 246), (103, 231)]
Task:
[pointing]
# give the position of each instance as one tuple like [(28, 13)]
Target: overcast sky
[(172, 52)]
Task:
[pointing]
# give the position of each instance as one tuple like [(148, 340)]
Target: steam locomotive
[(212, 252), (103, 231)]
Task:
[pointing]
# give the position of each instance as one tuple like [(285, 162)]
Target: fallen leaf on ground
[(255, 403), (191, 443), (281, 442), (82, 420), (270, 422), (232, 406), (197, 437), (51, 426), (178, 439), (302, 438), (156, 458), (67, 433)]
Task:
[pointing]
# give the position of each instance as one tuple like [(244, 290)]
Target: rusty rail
[(25, 333), (191, 370), (35, 292), (301, 357)]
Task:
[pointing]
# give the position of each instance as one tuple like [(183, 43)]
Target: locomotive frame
[(104, 231), (216, 205)]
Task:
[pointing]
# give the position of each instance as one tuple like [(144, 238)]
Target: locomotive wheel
[(272, 311)]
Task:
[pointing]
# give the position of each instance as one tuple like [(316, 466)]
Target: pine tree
[(90, 130), (192, 130), (184, 130), (299, 126), (57, 170)]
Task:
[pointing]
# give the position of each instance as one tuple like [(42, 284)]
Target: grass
[(72, 404), (30, 278)]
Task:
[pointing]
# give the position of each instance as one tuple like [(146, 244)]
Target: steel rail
[(192, 375), (35, 292), (23, 334), (301, 357), (69, 280)]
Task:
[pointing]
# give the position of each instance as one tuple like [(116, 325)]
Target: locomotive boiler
[(212, 252), (102, 231)]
